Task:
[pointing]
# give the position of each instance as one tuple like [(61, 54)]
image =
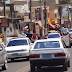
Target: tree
[(64, 1)]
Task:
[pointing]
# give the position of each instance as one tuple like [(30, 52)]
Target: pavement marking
[(24, 69)]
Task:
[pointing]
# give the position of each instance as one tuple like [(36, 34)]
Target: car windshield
[(54, 36), (47, 44), (70, 31), (17, 43), (63, 31)]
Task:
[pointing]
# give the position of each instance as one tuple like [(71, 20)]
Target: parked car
[(3, 57), (52, 31), (64, 31), (70, 31), (70, 39), (49, 52), (67, 30), (18, 48), (54, 35)]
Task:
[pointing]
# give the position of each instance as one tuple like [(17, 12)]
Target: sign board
[(4, 23), (9, 1), (26, 7), (37, 14)]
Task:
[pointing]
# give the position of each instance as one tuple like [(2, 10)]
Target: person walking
[(34, 37)]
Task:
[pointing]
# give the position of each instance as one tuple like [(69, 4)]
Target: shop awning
[(52, 25)]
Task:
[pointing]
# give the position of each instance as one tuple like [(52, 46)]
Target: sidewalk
[(8, 38)]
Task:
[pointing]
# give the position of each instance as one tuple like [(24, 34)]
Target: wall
[(10, 30)]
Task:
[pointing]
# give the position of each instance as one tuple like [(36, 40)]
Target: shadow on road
[(50, 69), (17, 60)]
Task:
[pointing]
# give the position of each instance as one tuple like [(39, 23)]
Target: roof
[(51, 3), (18, 38), (53, 33), (50, 39)]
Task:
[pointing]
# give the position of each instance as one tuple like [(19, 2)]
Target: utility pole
[(45, 17), (60, 13), (31, 31), (5, 34), (42, 18)]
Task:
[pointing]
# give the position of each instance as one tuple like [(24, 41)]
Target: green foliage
[(64, 1)]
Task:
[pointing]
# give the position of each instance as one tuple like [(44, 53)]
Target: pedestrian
[(34, 37)]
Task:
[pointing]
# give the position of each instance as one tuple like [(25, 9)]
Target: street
[(22, 65)]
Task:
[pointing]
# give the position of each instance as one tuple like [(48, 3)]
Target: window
[(47, 44), (17, 43), (54, 36)]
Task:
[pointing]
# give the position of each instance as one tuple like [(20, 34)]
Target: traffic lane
[(16, 65), (23, 65), (58, 68)]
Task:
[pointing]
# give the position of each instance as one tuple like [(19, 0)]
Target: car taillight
[(59, 54), (34, 56), (71, 37)]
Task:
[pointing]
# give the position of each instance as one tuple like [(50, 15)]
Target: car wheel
[(5, 66), (32, 68), (69, 63), (65, 66)]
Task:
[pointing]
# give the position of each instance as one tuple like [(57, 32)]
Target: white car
[(70, 39), (54, 35), (49, 52), (70, 31), (3, 57), (18, 48)]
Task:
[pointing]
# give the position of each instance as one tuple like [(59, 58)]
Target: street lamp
[(60, 13)]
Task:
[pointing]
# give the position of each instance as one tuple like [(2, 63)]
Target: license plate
[(15, 54), (46, 56)]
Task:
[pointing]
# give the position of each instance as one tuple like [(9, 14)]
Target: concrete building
[(53, 4), (21, 9)]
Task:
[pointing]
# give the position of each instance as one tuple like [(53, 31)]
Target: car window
[(53, 36), (70, 31), (47, 44), (17, 42), (63, 31)]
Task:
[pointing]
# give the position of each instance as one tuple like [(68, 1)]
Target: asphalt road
[(22, 65)]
